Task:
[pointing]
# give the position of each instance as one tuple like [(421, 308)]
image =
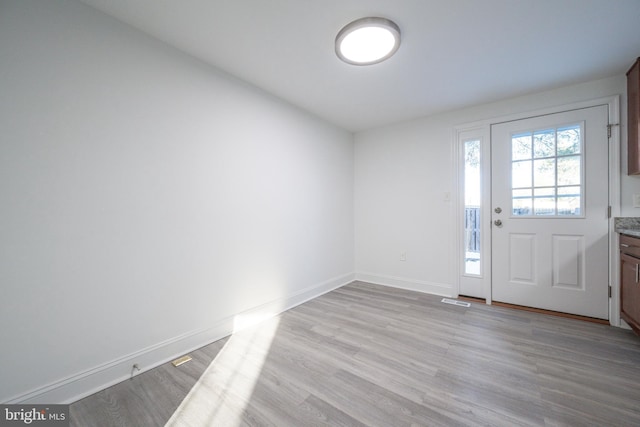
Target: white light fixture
[(368, 41)]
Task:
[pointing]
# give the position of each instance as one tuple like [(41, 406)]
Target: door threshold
[(472, 299), (550, 312)]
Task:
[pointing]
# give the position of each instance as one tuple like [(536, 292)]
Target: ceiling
[(454, 53)]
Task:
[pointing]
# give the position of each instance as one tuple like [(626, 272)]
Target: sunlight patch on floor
[(223, 391)]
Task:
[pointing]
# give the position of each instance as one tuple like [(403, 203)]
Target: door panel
[(522, 258), (568, 262), (549, 178)]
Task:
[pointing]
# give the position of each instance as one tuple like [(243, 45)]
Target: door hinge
[(608, 211), (609, 291), (609, 126)]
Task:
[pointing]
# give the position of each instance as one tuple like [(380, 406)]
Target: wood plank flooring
[(368, 355)]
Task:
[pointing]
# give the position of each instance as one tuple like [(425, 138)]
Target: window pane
[(569, 140), (521, 146), (545, 206), (569, 201), (569, 170), (544, 173), (472, 173), (568, 206), (521, 174), (569, 191), (544, 143), (544, 201), (522, 202), (544, 192)]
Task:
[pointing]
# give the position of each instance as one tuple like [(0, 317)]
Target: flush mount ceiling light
[(368, 41)]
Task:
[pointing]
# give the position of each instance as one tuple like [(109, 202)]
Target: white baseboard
[(442, 289), (85, 383)]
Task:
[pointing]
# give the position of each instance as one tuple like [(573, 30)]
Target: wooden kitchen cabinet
[(630, 281), (633, 118)]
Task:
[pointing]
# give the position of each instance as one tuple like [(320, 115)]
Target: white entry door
[(549, 178)]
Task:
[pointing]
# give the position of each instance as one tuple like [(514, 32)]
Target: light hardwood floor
[(368, 355)]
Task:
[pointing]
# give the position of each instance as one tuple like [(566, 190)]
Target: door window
[(547, 172)]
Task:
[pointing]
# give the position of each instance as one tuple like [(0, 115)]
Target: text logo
[(34, 415)]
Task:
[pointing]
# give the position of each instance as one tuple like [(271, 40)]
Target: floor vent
[(181, 360), (456, 302)]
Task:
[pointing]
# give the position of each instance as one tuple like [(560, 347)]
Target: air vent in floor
[(456, 302)]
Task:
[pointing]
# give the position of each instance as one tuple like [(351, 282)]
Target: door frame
[(482, 129)]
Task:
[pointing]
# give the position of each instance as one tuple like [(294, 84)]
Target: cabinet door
[(630, 290)]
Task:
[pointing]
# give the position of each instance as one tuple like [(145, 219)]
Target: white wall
[(404, 174), (147, 199)]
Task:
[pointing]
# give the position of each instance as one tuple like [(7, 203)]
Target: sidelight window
[(472, 197)]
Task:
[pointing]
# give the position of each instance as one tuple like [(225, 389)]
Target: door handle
[(637, 273), (498, 223)]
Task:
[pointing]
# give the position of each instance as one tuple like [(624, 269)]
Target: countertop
[(629, 232), (629, 226)]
